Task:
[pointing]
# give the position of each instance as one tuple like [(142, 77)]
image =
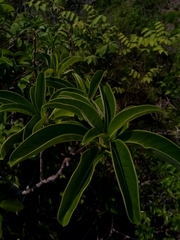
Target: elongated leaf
[(58, 114), (90, 135), (39, 124), (58, 105), (17, 107), (8, 144), (47, 137), (29, 127), (75, 96), (68, 89), (77, 184), (58, 84), (88, 112), (40, 91), (94, 84), (109, 104), (32, 95), (12, 205), (70, 61), (59, 80), (127, 179), (79, 82), (99, 106), (11, 97), (128, 115), (161, 146)]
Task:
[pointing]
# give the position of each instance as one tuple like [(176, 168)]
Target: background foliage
[(138, 44)]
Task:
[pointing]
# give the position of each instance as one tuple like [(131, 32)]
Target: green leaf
[(57, 83), (129, 114), (7, 8), (77, 184), (40, 91), (79, 82), (39, 124), (12, 205), (77, 106), (60, 114), (127, 179), (109, 104), (74, 95), (161, 146), (44, 57), (32, 96), (17, 107), (8, 144), (94, 83), (29, 127), (91, 135), (6, 60), (47, 137), (69, 89), (11, 97), (67, 63)]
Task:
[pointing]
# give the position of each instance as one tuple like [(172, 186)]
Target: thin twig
[(41, 166), (49, 179)]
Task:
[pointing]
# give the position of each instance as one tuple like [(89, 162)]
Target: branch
[(49, 179)]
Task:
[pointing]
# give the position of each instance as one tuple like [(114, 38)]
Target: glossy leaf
[(94, 84), (39, 124), (79, 82), (11, 97), (67, 63), (109, 104), (47, 137), (74, 95), (17, 107), (57, 83), (68, 89), (29, 126), (8, 144), (162, 147), (126, 178), (58, 114), (77, 106), (91, 135), (59, 105), (40, 91), (129, 114), (77, 184)]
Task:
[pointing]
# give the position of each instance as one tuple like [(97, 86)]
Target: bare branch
[(49, 179)]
